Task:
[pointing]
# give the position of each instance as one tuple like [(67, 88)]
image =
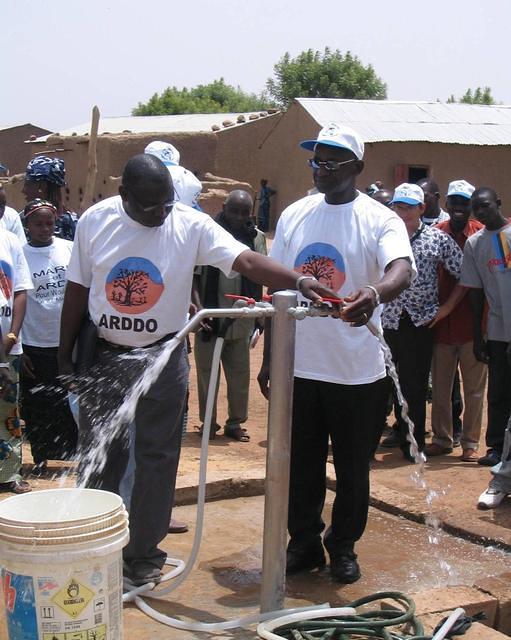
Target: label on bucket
[(84, 603), (20, 607)]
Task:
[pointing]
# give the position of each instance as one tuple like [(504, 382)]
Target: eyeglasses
[(329, 165), (167, 205)]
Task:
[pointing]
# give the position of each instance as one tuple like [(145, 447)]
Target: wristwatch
[(13, 337)]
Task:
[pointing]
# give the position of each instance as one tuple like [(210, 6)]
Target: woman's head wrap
[(43, 168)]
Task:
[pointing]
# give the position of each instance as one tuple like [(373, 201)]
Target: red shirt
[(457, 328)]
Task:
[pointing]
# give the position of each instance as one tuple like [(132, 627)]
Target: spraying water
[(418, 476), (115, 423)]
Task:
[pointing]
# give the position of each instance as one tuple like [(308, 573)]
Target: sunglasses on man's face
[(329, 165), (167, 205)]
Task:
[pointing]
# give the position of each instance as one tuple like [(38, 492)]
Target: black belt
[(123, 347)]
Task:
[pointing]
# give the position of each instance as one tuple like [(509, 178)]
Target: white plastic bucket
[(60, 553)]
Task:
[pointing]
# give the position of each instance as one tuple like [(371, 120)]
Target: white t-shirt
[(345, 247), (140, 278), (11, 221), (14, 276), (48, 266)]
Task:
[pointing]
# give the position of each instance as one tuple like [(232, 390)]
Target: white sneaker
[(490, 498)]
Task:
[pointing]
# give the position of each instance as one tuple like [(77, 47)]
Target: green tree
[(216, 97), (481, 95), (328, 74)]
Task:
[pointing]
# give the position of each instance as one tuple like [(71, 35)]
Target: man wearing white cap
[(187, 187), (454, 342), (407, 318), (361, 249)]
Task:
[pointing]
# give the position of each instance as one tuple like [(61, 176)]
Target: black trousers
[(50, 426), (350, 415), (412, 350), (457, 406), (499, 394)]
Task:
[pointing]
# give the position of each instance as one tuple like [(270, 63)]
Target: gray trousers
[(236, 365), (157, 444)]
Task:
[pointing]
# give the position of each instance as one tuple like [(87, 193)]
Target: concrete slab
[(477, 631), (446, 599), (499, 587)]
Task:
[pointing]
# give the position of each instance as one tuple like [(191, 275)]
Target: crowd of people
[(79, 294)]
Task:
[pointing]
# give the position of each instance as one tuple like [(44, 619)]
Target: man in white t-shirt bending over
[(132, 268), (360, 249)]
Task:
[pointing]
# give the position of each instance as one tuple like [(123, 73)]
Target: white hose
[(209, 627), (448, 624)]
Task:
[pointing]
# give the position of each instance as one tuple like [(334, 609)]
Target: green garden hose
[(375, 623)]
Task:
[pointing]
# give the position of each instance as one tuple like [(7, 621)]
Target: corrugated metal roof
[(189, 122), (387, 121)]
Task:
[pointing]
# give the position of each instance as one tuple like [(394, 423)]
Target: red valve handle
[(234, 297)]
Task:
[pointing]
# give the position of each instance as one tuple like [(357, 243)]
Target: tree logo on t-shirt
[(134, 285), (324, 262), (6, 278)]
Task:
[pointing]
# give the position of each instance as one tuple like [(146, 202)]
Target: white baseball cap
[(336, 135), (165, 151), (409, 194), (187, 187), (460, 188)]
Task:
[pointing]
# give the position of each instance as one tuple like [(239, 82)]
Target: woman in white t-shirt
[(50, 427)]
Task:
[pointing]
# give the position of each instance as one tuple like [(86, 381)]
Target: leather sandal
[(236, 432), (469, 455), (212, 432), (435, 449), (16, 486), (176, 526)]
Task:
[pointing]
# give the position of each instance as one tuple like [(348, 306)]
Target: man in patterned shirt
[(406, 319)]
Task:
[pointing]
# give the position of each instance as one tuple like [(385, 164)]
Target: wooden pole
[(92, 164)]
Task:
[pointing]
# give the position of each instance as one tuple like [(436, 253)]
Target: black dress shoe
[(491, 458), (344, 567), (305, 559), (142, 576)]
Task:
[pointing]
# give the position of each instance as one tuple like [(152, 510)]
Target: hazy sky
[(60, 57)]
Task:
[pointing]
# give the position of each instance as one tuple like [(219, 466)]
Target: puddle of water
[(394, 554)]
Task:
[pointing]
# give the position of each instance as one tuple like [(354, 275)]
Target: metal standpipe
[(279, 452)]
